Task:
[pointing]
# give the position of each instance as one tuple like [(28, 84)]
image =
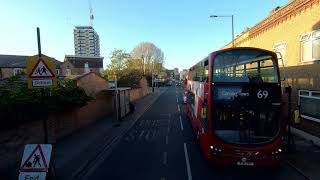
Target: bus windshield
[(245, 66), (246, 100)]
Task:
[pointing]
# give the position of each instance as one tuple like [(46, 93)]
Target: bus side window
[(191, 98), (204, 115), (206, 71)]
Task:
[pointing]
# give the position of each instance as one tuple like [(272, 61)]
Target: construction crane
[(91, 13)]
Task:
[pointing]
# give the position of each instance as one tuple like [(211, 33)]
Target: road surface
[(161, 145)]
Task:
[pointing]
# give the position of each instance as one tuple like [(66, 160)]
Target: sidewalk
[(305, 159), (74, 155)]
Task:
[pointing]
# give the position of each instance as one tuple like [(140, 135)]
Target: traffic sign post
[(41, 73), (35, 161)]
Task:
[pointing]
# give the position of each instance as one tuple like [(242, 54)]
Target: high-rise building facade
[(86, 41)]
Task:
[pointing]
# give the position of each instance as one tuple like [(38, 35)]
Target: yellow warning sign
[(41, 72)]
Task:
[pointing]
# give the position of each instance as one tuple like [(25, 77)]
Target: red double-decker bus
[(234, 102)]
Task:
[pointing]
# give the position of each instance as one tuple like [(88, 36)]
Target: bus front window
[(243, 65), (245, 86)]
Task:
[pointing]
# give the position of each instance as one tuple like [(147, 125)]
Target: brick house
[(11, 65), (294, 31), (91, 82), (78, 65)]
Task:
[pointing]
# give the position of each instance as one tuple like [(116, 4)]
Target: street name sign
[(41, 72)]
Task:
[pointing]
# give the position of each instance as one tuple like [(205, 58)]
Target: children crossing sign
[(41, 72)]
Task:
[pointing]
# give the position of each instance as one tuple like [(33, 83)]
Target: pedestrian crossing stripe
[(36, 161), (41, 70)]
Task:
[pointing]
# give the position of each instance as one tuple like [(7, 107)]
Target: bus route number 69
[(262, 94)]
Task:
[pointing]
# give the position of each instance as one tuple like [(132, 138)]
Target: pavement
[(157, 142), (305, 158), (74, 155)]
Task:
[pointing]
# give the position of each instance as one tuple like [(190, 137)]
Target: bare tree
[(151, 57)]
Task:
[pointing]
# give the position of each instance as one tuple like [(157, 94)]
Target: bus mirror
[(280, 59)]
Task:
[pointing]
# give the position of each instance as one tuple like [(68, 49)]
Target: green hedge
[(19, 104)]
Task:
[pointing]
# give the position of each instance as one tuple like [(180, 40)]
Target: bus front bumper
[(235, 160)]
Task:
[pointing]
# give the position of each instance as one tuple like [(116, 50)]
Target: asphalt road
[(161, 146)]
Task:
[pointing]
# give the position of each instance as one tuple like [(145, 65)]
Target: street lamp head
[(214, 16)]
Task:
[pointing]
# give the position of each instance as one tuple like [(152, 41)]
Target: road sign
[(36, 157), (41, 72), (32, 176)]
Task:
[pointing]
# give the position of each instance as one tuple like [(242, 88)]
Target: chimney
[(86, 67), (275, 10)]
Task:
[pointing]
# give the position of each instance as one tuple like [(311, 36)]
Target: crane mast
[(91, 13)]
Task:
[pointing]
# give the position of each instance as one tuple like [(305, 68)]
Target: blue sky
[(181, 28)]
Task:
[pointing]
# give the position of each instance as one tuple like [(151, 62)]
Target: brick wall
[(76, 71), (6, 72), (59, 125), (66, 65), (12, 144), (138, 93), (92, 83), (68, 122)]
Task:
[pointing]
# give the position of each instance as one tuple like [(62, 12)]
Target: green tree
[(118, 59)]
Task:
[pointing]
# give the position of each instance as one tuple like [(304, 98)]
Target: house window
[(316, 45), (17, 71), (57, 72), (280, 49), (310, 46), (309, 105), (68, 72), (86, 67)]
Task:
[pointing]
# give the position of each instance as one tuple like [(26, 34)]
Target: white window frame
[(68, 72), (58, 72), (310, 96), (309, 38), (17, 71), (86, 67), (276, 47)]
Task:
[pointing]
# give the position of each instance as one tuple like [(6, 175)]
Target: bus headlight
[(276, 152), (215, 150)]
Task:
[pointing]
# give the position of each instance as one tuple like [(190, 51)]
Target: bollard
[(297, 117)]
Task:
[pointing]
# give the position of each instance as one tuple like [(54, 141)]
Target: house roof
[(13, 61), (77, 77), (79, 62), (17, 61)]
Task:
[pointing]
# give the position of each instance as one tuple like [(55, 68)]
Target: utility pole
[(232, 25), (116, 98), (45, 131)]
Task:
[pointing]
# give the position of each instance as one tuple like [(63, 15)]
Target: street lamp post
[(232, 25)]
